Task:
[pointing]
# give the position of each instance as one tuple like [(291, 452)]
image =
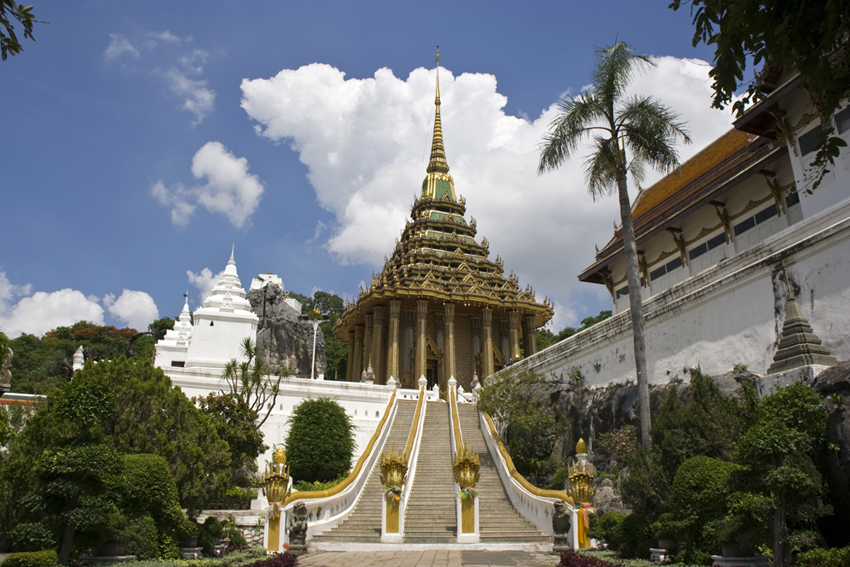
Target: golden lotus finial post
[(580, 486), (276, 488), (393, 477)]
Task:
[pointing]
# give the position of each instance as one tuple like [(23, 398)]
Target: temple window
[(842, 120), (666, 268), (758, 218), (710, 244), (809, 140), (178, 363)]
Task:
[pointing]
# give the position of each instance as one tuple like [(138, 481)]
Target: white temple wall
[(364, 403), (729, 314), (218, 344)]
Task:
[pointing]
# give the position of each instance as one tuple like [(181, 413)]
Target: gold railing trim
[(455, 420), (559, 494), (414, 427), (354, 472)]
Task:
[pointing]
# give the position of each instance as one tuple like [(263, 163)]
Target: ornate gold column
[(349, 370), (530, 337), (487, 331), (449, 360), (367, 342), (357, 354), (393, 341), (421, 366), (513, 322), (378, 355)]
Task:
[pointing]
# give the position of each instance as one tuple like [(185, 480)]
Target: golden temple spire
[(438, 161)]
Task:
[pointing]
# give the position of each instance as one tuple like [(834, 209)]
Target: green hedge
[(320, 442), (837, 557), (34, 536), (47, 558)]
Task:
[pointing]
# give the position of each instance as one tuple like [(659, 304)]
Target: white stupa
[(219, 329)]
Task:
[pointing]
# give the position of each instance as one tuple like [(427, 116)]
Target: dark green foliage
[(637, 535), (209, 534), (781, 482), (46, 558), (608, 529), (698, 500), (838, 557), (149, 496), (306, 486), (546, 338), (619, 445), (707, 424), (30, 535), (142, 538), (809, 37), (10, 12), (235, 422), (328, 305), (161, 326), (320, 442), (243, 557), (525, 417), (41, 365), (646, 488)]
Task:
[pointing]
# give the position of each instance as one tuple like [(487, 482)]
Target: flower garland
[(393, 493), (276, 510), (467, 493)]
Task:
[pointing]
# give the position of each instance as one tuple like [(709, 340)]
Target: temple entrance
[(431, 374)]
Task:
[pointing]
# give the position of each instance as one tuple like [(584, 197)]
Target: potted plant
[(188, 533), (736, 536), (113, 535), (665, 531)]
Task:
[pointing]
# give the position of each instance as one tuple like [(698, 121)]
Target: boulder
[(283, 339), (834, 383)]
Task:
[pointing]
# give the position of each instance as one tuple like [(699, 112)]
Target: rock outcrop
[(834, 383), (281, 335)]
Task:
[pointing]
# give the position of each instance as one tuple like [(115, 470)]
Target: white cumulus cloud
[(229, 188), (197, 98), (118, 46), (204, 280), (135, 308), (366, 144)]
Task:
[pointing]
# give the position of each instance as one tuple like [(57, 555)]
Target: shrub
[(837, 557), (142, 538), (47, 558), (646, 488), (637, 536), (209, 534), (609, 529), (618, 445), (320, 442), (243, 557), (31, 535), (305, 486), (570, 558), (276, 560)]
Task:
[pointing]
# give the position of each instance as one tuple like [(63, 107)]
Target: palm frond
[(574, 122), (615, 66), (652, 132), (600, 168)]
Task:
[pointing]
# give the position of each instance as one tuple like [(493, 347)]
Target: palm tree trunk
[(635, 307)]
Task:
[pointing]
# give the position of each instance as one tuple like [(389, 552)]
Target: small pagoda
[(440, 308)]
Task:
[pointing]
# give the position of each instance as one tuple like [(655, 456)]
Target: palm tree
[(628, 133)]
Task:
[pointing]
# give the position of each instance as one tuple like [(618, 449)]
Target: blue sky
[(140, 140)]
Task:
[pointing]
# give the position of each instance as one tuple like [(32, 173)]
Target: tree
[(546, 338), (236, 423), (331, 306), (628, 134), (787, 36), (320, 441), (9, 12), (251, 382), (778, 453)]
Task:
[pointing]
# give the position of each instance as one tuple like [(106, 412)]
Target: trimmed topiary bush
[(46, 558), (637, 536), (608, 529), (33, 536), (320, 442), (142, 538)]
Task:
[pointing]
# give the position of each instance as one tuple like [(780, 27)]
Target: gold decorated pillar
[(449, 357), (530, 336), (421, 366), (356, 356), (276, 488), (349, 367), (513, 322), (378, 356), (367, 342), (487, 332), (393, 340)]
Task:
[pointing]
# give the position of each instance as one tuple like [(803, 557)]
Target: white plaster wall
[(218, 344), (364, 403), (729, 314)]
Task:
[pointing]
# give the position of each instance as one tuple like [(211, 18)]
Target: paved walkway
[(429, 558)]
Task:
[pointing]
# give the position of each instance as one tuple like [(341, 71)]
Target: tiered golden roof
[(438, 256)]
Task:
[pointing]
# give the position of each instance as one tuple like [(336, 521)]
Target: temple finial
[(232, 250), (438, 161)]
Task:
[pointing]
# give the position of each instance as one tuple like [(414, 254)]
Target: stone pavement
[(427, 558)]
